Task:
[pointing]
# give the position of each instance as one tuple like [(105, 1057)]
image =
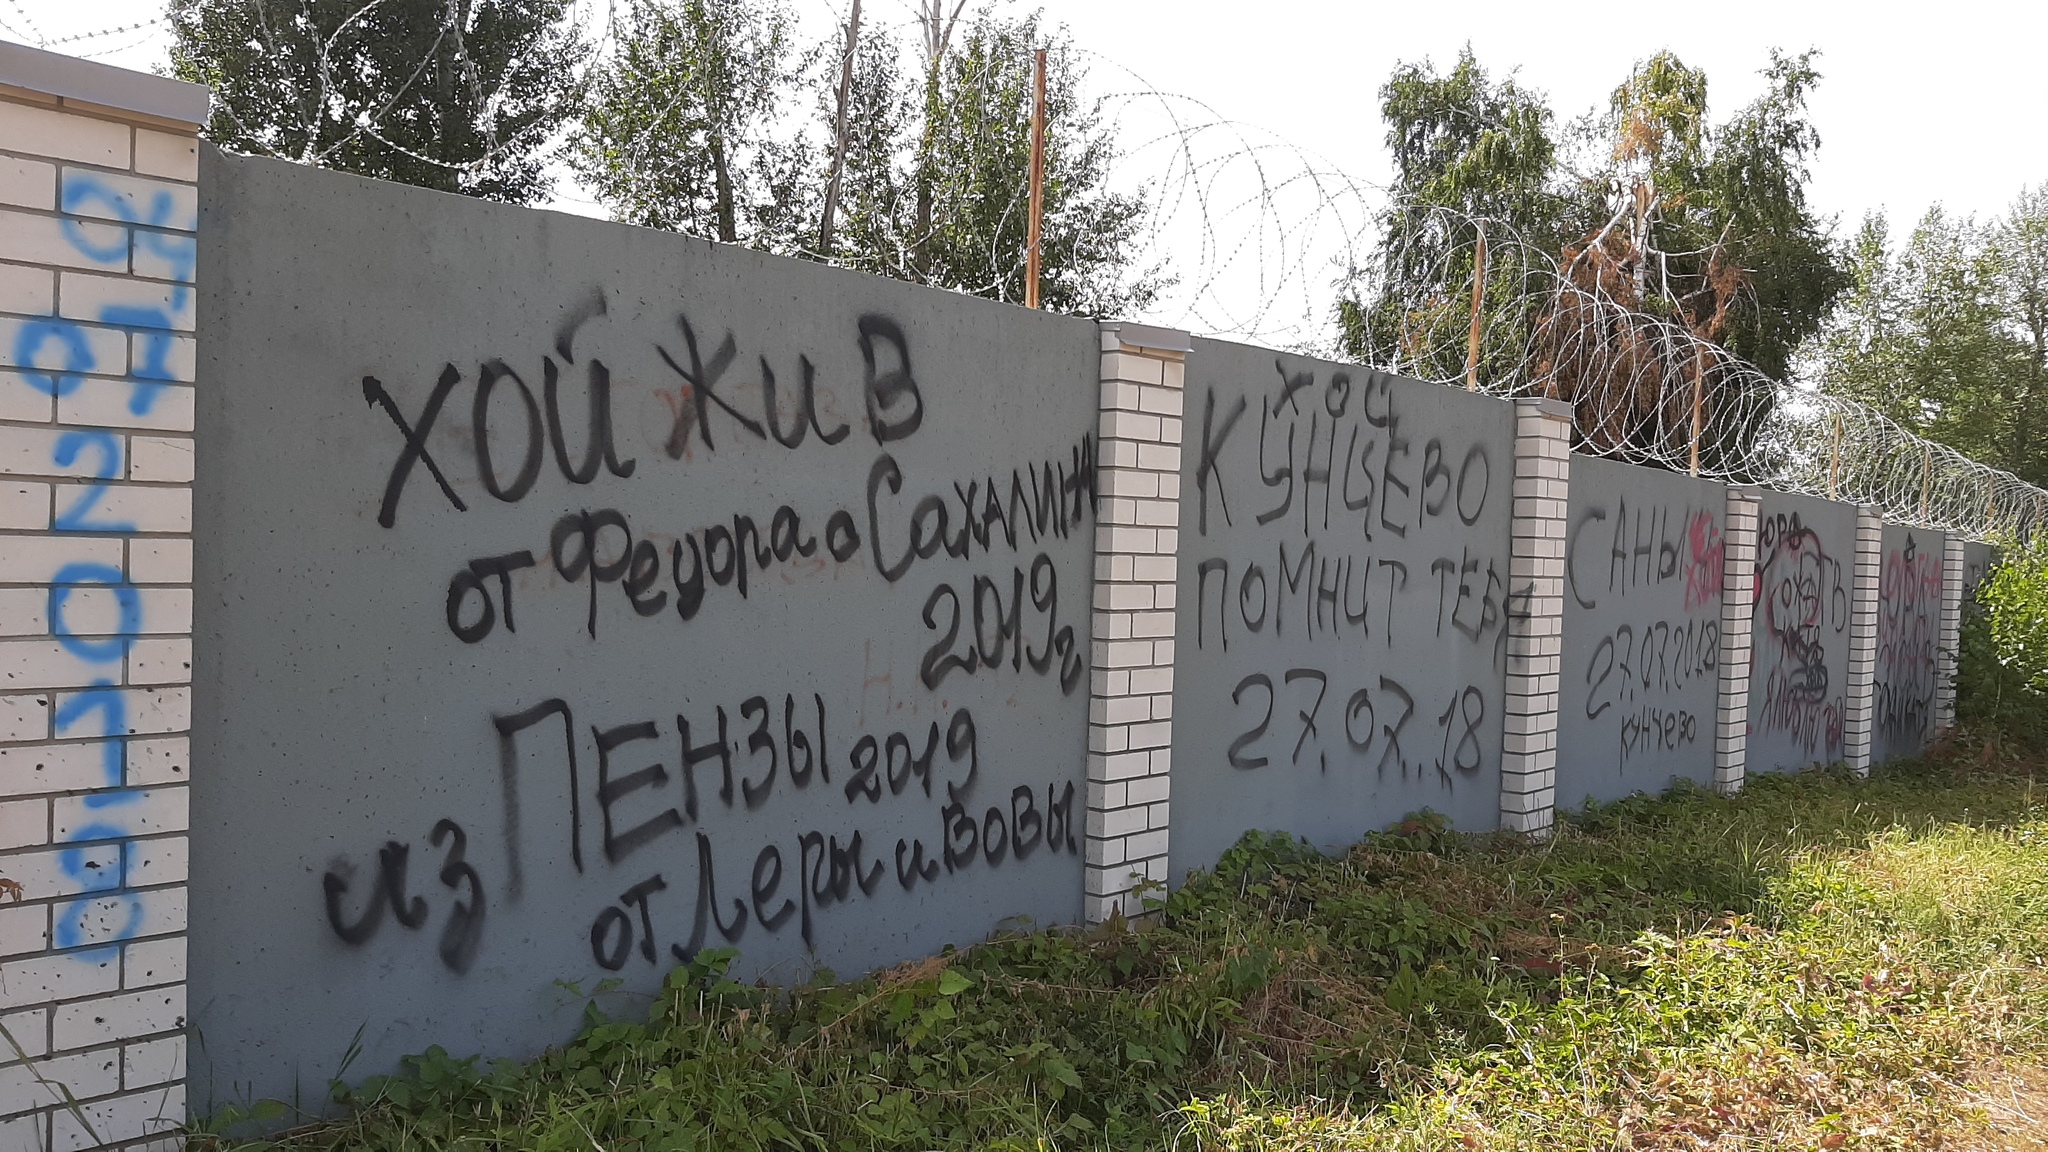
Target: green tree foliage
[(711, 121), (1474, 145), (680, 128), (456, 95), (2002, 670), (1712, 222), (875, 194), (1651, 203), (975, 156), (1940, 334), (2020, 268)]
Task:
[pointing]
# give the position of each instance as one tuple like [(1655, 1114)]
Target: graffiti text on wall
[(1335, 499), (1643, 561), (1908, 627), (646, 795), (58, 355), (1802, 596)]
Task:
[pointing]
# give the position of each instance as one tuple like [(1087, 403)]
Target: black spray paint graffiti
[(464, 928), (1374, 716), (642, 793), (1908, 628), (894, 409), (1801, 598), (640, 805), (1345, 494), (594, 548), (1638, 672)]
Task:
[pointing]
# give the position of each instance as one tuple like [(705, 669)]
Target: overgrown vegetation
[(1821, 962), (2002, 671)]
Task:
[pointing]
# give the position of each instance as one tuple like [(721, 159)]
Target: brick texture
[(96, 310), (1738, 611), (1951, 634), (1859, 705), (1137, 543), (1528, 770)]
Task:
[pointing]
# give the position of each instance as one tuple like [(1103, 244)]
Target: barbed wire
[(1263, 240), (1649, 391)]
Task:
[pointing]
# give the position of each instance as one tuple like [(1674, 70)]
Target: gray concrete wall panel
[(1977, 561), (1799, 670), (575, 597), (1343, 596), (1642, 631), (1908, 633)]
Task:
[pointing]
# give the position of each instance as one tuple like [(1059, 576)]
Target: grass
[(1821, 962)]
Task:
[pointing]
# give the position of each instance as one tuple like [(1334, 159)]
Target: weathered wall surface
[(1642, 630), (578, 597), (1343, 598), (1908, 632), (1805, 561), (1977, 561), (96, 359)]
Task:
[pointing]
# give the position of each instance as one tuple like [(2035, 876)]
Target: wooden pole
[(1699, 402), (839, 145), (1835, 460), (1478, 299), (1031, 252), (1926, 478)]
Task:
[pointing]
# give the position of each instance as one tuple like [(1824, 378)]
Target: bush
[(2002, 667)]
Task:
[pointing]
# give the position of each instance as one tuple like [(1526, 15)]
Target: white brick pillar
[(1130, 685), (1738, 614), (1528, 768), (1859, 705), (1950, 643), (98, 221)]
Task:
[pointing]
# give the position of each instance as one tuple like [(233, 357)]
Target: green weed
[(1822, 962)]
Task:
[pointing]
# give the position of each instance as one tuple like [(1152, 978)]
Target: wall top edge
[(1149, 337), (103, 84), (1545, 405)]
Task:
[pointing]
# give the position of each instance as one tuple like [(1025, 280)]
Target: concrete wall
[(578, 597), (1977, 561), (1805, 562), (1343, 600), (1642, 630), (1908, 635)]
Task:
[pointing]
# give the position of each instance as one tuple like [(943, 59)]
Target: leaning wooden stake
[(1031, 252), (1478, 300), (1835, 461), (1699, 402), (1926, 478)]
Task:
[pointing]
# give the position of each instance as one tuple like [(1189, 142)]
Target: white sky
[(1919, 103)]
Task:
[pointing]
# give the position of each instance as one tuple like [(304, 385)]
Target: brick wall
[(1946, 647), (1137, 543), (1860, 704), (1738, 638), (1535, 652), (98, 215)]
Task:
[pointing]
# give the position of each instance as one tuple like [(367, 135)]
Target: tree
[(456, 95), (1645, 209), (872, 234), (2020, 245), (1711, 225), (680, 128), (974, 157), (1465, 142), (1936, 335), (1465, 147)]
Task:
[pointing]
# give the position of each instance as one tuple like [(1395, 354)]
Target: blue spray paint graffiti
[(105, 914)]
